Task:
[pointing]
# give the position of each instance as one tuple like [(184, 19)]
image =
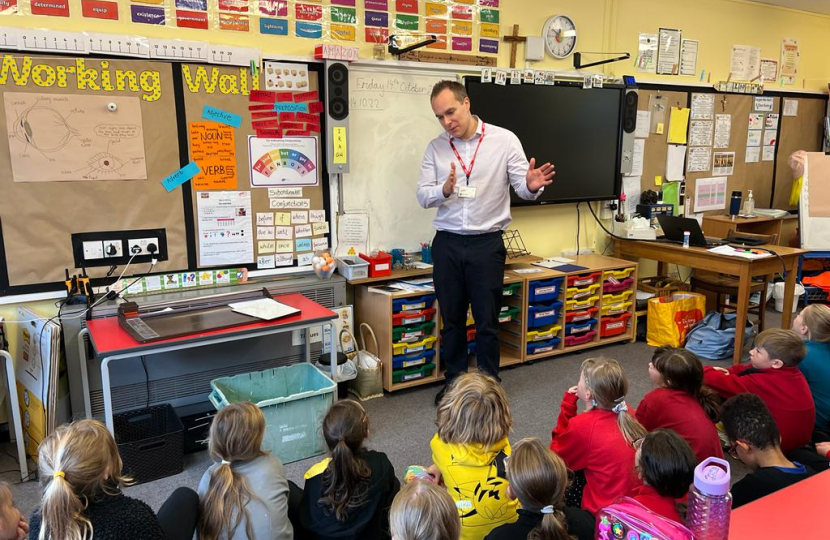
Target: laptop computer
[(674, 227)]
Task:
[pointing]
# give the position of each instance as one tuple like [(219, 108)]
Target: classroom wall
[(604, 25)]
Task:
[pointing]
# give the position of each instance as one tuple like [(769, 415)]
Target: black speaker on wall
[(337, 116), (629, 124)]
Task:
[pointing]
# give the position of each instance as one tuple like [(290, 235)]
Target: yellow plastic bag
[(671, 317)]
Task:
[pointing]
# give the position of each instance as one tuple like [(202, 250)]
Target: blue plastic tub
[(413, 303), (403, 361), (572, 329), (545, 290), (543, 314), (538, 347), (294, 400)]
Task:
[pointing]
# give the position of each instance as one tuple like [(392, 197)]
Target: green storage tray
[(406, 375), (399, 332), (507, 315), (511, 289)]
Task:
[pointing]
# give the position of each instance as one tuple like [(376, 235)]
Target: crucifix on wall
[(514, 41)]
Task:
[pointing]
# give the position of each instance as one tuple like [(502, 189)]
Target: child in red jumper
[(680, 402), (666, 464), (774, 377), (599, 441)]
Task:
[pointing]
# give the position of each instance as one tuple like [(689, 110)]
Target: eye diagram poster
[(59, 138), (283, 162)]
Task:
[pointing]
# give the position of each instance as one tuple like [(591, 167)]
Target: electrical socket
[(93, 250), (116, 245), (572, 252), (139, 245)]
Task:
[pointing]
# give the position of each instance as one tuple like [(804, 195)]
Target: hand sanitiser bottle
[(710, 503), (749, 206)]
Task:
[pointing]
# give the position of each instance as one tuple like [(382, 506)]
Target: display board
[(260, 199), (88, 141), (803, 131)]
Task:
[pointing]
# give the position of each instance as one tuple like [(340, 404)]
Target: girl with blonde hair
[(12, 525), (424, 511), (80, 471), (469, 450), (245, 494), (813, 326), (347, 496), (538, 479), (599, 442)]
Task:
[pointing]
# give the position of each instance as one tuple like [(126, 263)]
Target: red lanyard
[(467, 172)]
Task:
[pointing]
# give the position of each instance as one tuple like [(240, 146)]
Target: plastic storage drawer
[(294, 400), (471, 347), (539, 347), (545, 290), (576, 293), (413, 303), (352, 267), (417, 346), (579, 316), (406, 361), (471, 334), (583, 280), (413, 374), (616, 298), (581, 339), (544, 334), (610, 287), (543, 314), (413, 317), (618, 274), (511, 289), (412, 332), (580, 327), (508, 314), (615, 309), (614, 326), (579, 305)]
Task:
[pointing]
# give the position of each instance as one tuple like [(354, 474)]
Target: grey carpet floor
[(402, 424)]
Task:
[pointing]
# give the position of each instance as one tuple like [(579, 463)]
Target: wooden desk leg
[(789, 291), (743, 308), (661, 269)]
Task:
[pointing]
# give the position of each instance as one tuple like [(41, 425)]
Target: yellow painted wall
[(604, 25)]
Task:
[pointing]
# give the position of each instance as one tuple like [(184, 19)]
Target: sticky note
[(299, 216), (678, 125), (285, 259), (660, 128), (265, 261), (303, 244), (339, 138), (304, 259), (284, 246), (301, 231), (316, 216), (224, 117), (658, 180), (284, 233), (181, 176), (265, 233), (320, 228), (282, 218), (267, 246)]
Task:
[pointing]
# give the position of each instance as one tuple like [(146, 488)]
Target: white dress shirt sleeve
[(430, 188), (517, 166)]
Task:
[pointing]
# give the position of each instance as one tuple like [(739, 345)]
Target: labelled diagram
[(54, 137)]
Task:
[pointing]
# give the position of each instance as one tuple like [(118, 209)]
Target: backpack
[(627, 519), (713, 338)]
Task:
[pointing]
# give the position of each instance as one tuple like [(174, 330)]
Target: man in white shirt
[(468, 179)]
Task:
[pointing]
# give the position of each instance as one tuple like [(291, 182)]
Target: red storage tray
[(583, 315), (614, 326), (379, 265), (583, 280), (412, 317), (587, 337), (471, 334), (609, 287)]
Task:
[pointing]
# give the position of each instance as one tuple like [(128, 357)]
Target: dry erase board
[(80, 166)]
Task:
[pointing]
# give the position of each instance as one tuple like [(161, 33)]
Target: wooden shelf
[(401, 274)]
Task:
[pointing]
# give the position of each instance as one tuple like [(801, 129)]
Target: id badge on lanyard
[(467, 191)]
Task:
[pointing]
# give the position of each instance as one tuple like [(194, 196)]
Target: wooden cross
[(514, 40)]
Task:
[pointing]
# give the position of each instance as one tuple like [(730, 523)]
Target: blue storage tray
[(413, 359), (572, 329), (542, 346), (543, 314), (412, 303), (471, 347), (545, 290)]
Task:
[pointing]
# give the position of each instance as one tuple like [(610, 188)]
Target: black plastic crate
[(815, 295), (151, 442)]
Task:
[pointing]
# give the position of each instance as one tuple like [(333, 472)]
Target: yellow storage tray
[(406, 348), (577, 293), (618, 274), (572, 305), (615, 309), (616, 298), (544, 334)]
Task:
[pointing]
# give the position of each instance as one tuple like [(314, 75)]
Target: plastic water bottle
[(710, 503)]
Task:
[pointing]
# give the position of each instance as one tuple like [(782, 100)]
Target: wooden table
[(719, 226), (744, 269)]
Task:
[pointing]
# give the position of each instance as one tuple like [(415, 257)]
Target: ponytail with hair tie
[(620, 407)]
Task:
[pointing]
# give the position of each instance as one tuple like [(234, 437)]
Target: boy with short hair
[(755, 440), (773, 376)]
